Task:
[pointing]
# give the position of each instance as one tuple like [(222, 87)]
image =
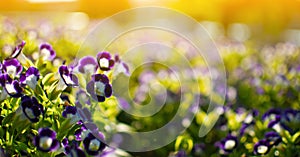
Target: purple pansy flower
[(46, 140), (72, 149), (247, 128), (271, 114), (105, 61), (3, 93), (31, 108), (99, 87), (12, 87), (262, 147), (291, 115), (80, 133), (277, 125), (67, 78), (87, 65), (228, 144), (120, 66), (69, 111), (93, 145), (18, 49), (31, 77), (47, 52), (273, 137), (12, 67), (250, 117)]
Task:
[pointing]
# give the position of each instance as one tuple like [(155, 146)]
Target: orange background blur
[(268, 16)]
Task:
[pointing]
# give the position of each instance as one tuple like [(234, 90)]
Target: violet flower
[(47, 52), (273, 137), (31, 108), (67, 78), (80, 133), (69, 112), (3, 93), (277, 125), (18, 49), (228, 144), (250, 117), (262, 147), (120, 66), (93, 145), (72, 150), (105, 61), (99, 87), (271, 114), (12, 67), (12, 87), (87, 65), (31, 77), (291, 115), (46, 140)]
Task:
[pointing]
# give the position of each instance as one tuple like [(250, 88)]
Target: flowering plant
[(48, 105)]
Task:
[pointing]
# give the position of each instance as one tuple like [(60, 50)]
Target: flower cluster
[(36, 95)]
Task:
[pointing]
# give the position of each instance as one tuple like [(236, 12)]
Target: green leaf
[(20, 146), (48, 79), (9, 118), (296, 137)]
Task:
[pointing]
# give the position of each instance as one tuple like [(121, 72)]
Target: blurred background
[(266, 20), (258, 39)]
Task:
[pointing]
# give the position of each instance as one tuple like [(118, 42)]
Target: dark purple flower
[(277, 125), (120, 66), (105, 61), (31, 77), (67, 78), (3, 93), (85, 129), (78, 133), (99, 87), (93, 145), (87, 65), (250, 117), (72, 149), (262, 147), (291, 115), (47, 52), (65, 142), (46, 140), (273, 137), (18, 50), (245, 128), (69, 111), (12, 87), (271, 114), (31, 108), (12, 67), (228, 144)]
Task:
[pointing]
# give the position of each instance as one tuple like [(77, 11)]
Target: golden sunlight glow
[(50, 1)]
